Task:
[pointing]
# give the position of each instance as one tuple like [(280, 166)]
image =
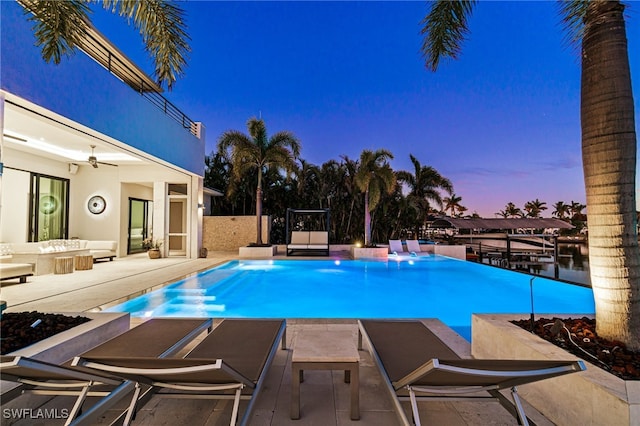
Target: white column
[(195, 214), (160, 216)]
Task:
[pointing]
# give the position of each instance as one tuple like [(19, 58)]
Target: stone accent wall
[(228, 233)]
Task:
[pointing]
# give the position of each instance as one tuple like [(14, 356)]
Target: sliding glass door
[(49, 209), (140, 224)]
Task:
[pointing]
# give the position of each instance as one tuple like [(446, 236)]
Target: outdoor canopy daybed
[(413, 360), (307, 231)]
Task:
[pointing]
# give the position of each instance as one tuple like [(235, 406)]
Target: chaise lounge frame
[(452, 379), (250, 344), (42, 378)]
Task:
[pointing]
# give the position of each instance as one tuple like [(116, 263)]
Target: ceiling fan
[(93, 160)]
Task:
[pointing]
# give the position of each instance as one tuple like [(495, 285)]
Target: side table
[(83, 262), (325, 350), (63, 265)]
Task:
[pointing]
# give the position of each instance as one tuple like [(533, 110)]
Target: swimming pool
[(425, 287)]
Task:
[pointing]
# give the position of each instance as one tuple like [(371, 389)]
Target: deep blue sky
[(502, 122)]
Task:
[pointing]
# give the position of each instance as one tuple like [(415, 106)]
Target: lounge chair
[(396, 247), (42, 378), (235, 356), (413, 360), (161, 337), (413, 246)]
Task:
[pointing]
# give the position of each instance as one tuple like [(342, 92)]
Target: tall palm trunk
[(259, 208), (367, 220), (609, 161), (353, 203)]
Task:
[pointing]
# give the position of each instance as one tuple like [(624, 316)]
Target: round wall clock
[(96, 204)]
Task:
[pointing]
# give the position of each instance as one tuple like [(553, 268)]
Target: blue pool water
[(425, 287)]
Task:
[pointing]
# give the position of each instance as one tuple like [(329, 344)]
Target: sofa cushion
[(318, 238), (299, 237), (15, 270)]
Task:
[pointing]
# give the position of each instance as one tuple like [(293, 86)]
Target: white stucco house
[(92, 149)]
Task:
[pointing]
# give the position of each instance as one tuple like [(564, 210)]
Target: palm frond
[(573, 13), (407, 178), (229, 139), (163, 29), (258, 131), (59, 26), (286, 139), (444, 29)]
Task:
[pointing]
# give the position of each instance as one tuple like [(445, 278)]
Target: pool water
[(424, 287)]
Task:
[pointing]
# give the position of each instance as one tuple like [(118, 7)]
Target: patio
[(324, 395)]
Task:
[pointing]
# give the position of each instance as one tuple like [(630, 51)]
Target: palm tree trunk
[(367, 220), (259, 208), (609, 161), (353, 202)]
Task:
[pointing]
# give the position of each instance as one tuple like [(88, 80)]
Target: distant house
[(91, 149)]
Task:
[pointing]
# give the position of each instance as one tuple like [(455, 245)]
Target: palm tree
[(258, 152), (502, 213), (608, 147), (534, 208), (308, 183), (373, 177), (511, 210), (561, 210), (425, 184), (576, 208), (60, 27), (452, 203), (350, 189)]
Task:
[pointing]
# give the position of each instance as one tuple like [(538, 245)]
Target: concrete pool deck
[(324, 396)]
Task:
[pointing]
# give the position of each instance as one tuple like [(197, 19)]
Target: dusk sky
[(502, 122)]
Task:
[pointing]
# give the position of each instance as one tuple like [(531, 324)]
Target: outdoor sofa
[(15, 270), (41, 255), (99, 249)]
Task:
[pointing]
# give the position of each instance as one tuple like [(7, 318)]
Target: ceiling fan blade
[(107, 164)]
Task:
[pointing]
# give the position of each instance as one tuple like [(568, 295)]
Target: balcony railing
[(100, 49), (97, 47)]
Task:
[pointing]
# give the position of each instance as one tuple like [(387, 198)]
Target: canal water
[(573, 264)]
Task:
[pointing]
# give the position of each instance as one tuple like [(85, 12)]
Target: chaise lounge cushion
[(102, 249), (299, 240), (15, 270)]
